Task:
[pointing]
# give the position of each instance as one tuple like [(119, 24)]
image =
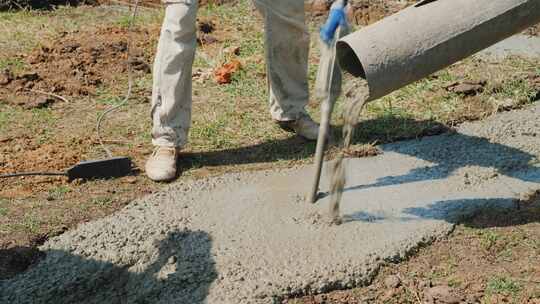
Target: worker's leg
[(287, 48), (171, 96)]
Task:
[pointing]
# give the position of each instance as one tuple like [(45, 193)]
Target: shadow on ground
[(382, 130), (181, 272), (483, 213)]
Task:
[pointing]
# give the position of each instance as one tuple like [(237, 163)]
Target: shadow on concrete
[(474, 213), (181, 272), (482, 213), (17, 259), (454, 151), (363, 216)]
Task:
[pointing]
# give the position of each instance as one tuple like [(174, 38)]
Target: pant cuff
[(162, 142)]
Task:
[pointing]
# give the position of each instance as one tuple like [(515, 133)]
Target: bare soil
[(76, 64)]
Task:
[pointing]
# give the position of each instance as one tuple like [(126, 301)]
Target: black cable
[(33, 174)]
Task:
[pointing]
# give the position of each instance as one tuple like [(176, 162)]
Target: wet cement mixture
[(251, 238), (355, 98)]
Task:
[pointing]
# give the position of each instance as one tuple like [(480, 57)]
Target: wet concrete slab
[(517, 45)]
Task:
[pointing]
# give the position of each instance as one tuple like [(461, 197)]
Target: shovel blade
[(101, 169)]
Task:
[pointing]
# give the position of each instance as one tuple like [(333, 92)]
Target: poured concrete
[(250, 238), (518, 45)]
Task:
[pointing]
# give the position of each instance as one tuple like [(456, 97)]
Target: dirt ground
[(87, 68)]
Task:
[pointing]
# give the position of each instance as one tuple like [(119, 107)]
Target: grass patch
[(102, 201), (15, 65), (5, 116), (3, 209), (110, 100), (488, 238), (502, 285), (30, 223), (142, 19), (23, 30), (58, 192)]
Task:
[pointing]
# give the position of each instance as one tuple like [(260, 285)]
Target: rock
[(40, 102), (172, 260), (506, 104), (130, 180), (318, 7), (70, 47), (6, 77), (205, 39), (32, 76), (390, 293), (392, 281), (232, 50), (424, 284), (442, 294), (139, 64), (467, 87), (206, 27), (120, 46)]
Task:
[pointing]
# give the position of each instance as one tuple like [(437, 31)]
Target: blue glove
[(336, 18)]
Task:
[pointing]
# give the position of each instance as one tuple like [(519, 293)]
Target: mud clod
[(442, 294), (6, 77), (467, 88), (39, 102), (206, 27), (392, 281)]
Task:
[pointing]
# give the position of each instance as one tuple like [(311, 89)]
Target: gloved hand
[(336, 18)]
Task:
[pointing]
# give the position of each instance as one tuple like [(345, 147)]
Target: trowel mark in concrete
[(248, 238)]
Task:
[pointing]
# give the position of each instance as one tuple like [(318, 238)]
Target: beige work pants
[(287, 47)]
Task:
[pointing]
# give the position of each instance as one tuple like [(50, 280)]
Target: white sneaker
[(303, 126), (161, 166)]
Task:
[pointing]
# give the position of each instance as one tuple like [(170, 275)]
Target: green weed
[(58, 192), (488, 239), (454, 283), (502, 285), (3, 209), (30, 223), (16, 65), (103, 201)]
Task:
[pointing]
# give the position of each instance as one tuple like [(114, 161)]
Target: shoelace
[(163, 150)]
